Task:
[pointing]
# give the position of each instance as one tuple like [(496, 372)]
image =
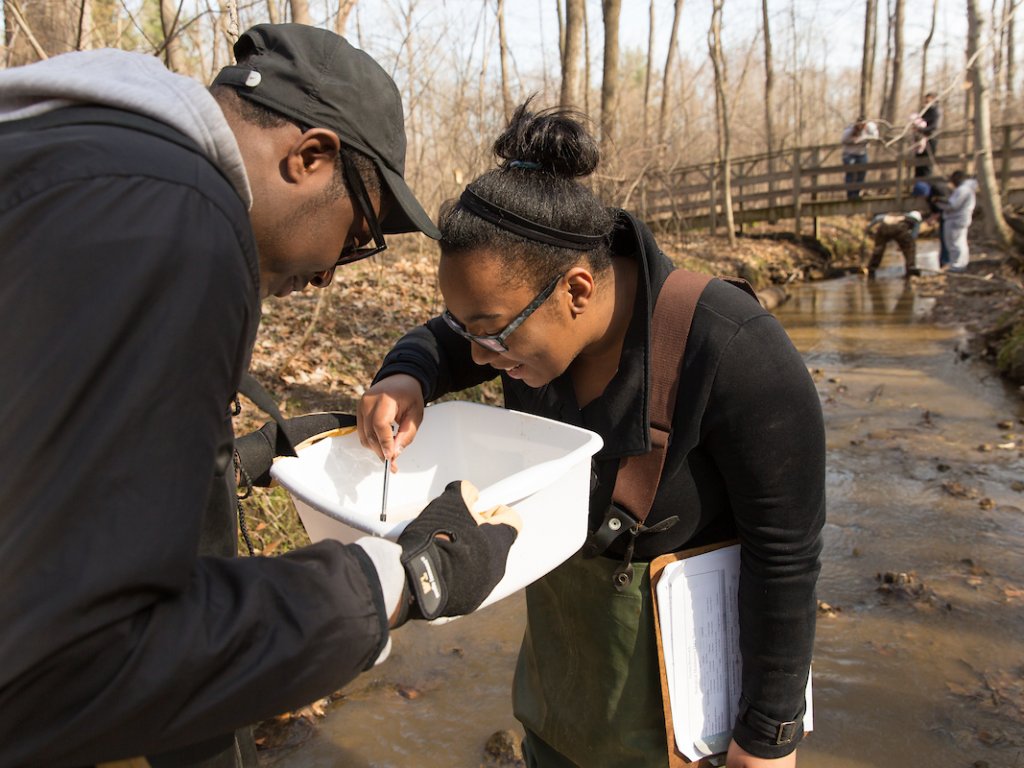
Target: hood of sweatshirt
[(133, 82)]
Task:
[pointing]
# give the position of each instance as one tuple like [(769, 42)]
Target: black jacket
[(747, 457), (129, 302)]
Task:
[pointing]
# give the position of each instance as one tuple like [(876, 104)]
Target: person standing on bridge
[(553, 291), (855, 140), (926, 127)]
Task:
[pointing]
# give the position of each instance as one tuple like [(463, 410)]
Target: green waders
[(587, 683)]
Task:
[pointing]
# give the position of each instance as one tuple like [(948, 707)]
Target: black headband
[(531, 230)]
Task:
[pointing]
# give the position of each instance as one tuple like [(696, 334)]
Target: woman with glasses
[(553, 292)]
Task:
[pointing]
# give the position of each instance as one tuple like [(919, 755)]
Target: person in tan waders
[(901, 228)]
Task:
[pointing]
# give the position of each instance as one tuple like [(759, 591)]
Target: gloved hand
[(453, 557)]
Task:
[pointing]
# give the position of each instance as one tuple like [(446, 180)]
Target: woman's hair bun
[(552, 140)]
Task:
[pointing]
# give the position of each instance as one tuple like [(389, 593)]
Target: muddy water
[(928, 673)]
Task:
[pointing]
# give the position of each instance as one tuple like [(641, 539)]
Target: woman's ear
[(581, 289), (313, 152)]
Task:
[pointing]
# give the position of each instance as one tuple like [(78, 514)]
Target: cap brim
[(406, 215)]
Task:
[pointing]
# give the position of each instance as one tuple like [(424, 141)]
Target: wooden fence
[(809, 182)]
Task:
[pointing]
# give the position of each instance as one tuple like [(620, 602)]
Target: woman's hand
[(397, 400), (738, 757)]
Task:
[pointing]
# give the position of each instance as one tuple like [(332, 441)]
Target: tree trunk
[(796, 83), (887, 66), (979, 54), (273, 15), (867, 62), (769, 106), (1010, 72), (560, 15), (611, 11), (666, 77), (924, 55), (722, 115), (892, 101), (345, 8), (38, 30), (570, 96), (586, 62), (506, 91), (648, 70), (300, 11), (231, 26), (170, 25), (86, 29)]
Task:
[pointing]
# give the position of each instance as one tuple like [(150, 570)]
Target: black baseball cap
[(319, 79)]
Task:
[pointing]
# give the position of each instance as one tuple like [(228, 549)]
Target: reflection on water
[(927, 678)]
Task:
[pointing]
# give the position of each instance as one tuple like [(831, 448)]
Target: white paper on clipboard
[(699, 621)]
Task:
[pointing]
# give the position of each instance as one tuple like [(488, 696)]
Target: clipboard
[(676, 759)]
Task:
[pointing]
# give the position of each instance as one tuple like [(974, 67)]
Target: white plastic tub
[(927, 260), (539, 467)]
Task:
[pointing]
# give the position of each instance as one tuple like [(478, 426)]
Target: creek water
[(922, 481)]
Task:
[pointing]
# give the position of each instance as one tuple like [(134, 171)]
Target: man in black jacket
[(142, 218)]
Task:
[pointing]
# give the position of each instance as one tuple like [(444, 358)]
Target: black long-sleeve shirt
[(128, 303), (746, 458)]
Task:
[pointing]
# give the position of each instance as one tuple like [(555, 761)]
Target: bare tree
[(611, 11), (300, 11), (867, 64), (570, 96), (796, 82), (560, 14), (979, 56), (924, 54), (38, 30), (722, 115), (273, 14), (892, 99), (174, 54), (86, 29), (648, 70), (506, 92), (586, 62), (883, 97), (345, 8), (769, 106), (666, 77), (1010, 73)]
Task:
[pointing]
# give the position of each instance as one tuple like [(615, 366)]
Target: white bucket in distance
[(927, 259), (539, 467)]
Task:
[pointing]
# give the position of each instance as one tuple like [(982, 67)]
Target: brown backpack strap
[(638, 476)]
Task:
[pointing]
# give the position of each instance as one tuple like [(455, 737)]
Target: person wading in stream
[(900, 228), (142, 218), (553, 292)]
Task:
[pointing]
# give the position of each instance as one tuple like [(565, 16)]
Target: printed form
[(699, 616)]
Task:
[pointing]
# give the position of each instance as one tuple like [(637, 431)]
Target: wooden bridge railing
[(809, 182)]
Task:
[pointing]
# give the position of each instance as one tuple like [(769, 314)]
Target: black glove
[(451, 577), (256, 451)]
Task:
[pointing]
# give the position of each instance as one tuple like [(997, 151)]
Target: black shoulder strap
[(253, 390)]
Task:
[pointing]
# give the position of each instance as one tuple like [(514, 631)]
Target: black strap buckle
[(786, 732), (782, 733), (616, 522)]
